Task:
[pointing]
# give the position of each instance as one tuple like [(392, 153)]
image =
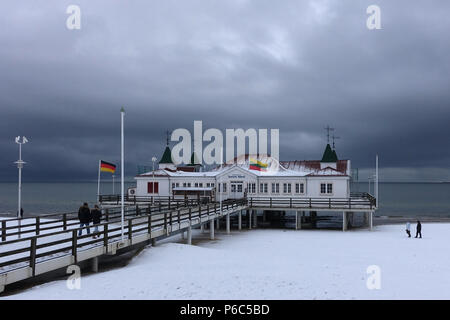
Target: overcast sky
[(295, 65)]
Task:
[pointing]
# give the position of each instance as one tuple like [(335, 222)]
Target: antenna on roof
[(329, 129), (334, 138), (167, 137)]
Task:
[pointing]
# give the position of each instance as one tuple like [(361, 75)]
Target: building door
[(237, 190)]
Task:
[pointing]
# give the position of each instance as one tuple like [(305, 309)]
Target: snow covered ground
[(276, 264)]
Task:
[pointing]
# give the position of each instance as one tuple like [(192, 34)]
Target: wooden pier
[(46, 243)]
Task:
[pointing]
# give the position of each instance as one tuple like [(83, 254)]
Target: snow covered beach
[(276, 264)]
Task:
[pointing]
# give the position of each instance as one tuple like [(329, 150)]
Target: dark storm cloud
[(293, 65)]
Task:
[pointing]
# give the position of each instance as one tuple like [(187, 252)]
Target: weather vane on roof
[(334, 138), (167, 137), (329, 129)]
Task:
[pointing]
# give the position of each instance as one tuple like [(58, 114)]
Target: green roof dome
[(329, 155), (167, 156)]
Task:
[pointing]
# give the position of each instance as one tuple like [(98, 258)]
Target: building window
[(200, 185), (212, 185), (299, 188), (286, 188), (263, 188), (184, 184), (153, 187), (189, 185), (326, 188), (196, 185), (224, 187), (252, 187), (275, 188), (239, 188), (208, 185)]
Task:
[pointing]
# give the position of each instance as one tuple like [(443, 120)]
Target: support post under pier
[(94, 265), (240, 220), (189, 234), (228, 223), (344, 221), (211, 229)]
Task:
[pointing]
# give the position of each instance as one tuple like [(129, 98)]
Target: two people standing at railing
[(86, 215)]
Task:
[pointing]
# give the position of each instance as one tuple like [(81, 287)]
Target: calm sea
[(396, 199)]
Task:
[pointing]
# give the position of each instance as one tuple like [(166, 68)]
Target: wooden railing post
[(290, 202), (105, 236), (33, 256), (165, 220), (38, 225), (74, 245), (137, 210), (168, 204), (310, 203), (329, 203), (179, 218), (149, 225), (190, 214), (107, 215), (271, 202), (130, 229), (4, 230), (64, 222)]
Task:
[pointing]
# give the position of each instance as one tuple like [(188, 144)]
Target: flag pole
[(220, 180), (113, 183), (98, 181), (122, 186)]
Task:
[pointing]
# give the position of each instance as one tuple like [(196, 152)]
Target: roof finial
[(328, 128), (167, 137)]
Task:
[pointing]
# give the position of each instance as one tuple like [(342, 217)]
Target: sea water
[(395, 199)]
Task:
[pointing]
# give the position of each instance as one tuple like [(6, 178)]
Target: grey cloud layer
[(292, 65)]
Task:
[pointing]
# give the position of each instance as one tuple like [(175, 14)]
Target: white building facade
[(326, 178)]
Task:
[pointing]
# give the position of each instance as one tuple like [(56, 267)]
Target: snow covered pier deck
[(47, 244), (37, 245)]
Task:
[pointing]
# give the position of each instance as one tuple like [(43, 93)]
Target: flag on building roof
[(107, 167), (257, 165)]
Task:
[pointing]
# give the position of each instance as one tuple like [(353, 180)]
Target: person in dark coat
[(84, 215), (96, 218), (419, 229)]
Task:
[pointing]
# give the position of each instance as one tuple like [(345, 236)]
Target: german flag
[(257, 165), (107, 167)]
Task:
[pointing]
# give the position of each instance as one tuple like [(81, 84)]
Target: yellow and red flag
[(257, 165)]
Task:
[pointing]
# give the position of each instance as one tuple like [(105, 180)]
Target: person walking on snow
[(96, 217), (408, 229), (84, 215), (419, 229)]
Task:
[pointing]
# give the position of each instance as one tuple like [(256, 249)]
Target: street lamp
[(20, 164)]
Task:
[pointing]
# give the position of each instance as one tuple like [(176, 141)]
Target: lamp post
[(153, 173), (20, 164)]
